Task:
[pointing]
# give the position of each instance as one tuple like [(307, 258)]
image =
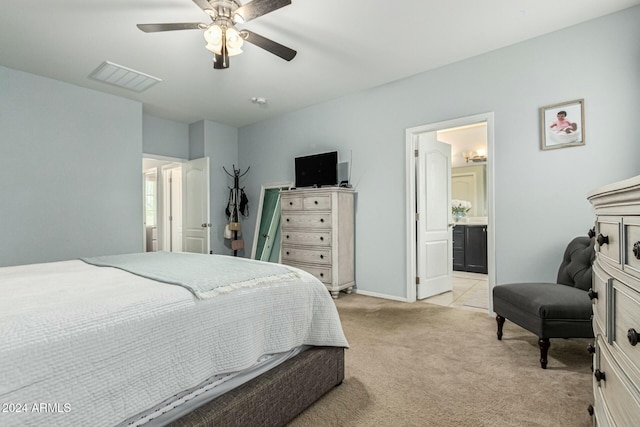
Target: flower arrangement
[(460, 207)]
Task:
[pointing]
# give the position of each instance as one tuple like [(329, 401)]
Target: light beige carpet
[(426, 365)]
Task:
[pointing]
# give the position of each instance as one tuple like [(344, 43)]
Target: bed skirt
[(275, 397)]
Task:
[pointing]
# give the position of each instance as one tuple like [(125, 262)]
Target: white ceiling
[(344, 46)]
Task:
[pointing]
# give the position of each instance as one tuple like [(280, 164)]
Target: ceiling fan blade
[(154, 28), (269, 45), (257, 8), (205, 6)]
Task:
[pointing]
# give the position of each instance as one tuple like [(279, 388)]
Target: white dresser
[(318, 234), (616, 305)]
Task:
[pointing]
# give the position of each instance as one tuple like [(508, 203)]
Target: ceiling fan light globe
[(215, 48), (238, 19), (234, 41), (213, 35)]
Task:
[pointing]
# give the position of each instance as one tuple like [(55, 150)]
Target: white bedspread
[(92, 346)]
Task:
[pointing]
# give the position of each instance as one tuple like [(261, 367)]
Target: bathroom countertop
[(472, 221)]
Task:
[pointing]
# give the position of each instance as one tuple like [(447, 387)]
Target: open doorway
[(162, 204), (468, 155), (177, 199), (469, 196)]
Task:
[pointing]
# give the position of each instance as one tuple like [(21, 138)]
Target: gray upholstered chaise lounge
[(552, 310)]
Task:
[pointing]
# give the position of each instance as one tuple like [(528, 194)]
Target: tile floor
[(469, 292)]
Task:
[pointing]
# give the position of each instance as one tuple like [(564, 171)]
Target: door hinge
[(415, 153), (417, 216), (417, 280)]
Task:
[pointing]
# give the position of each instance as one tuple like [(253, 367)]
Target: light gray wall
[(220, 143), (540, 196), (165, 137), (70, 171)]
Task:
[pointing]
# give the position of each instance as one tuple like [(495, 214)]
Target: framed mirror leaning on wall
[(266, 239)]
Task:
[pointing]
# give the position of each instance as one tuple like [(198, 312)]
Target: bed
[(161, 338)]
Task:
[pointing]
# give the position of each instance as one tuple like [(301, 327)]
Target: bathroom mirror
[(470, 183), (266, 239)]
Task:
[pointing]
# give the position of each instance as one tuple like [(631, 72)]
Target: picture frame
[(558, 131)]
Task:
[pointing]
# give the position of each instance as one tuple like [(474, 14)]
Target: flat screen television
[(317, 170)]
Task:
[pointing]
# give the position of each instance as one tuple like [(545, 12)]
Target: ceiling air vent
[(123, 77)]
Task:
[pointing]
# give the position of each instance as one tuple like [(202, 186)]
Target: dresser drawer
[(602, 415), (317, 203), (303, 220), (626, 320), (291, 203), (631, 239), (322, 273), (608, 232), (601, 285), (620, 398), (308, 255), (312, 238)]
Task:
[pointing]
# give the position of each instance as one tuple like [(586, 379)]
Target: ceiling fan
[(222, 36)]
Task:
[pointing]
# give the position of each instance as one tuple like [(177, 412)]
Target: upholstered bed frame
[(275, 397)]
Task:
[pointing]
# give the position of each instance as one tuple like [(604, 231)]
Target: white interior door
[(195, 206), (172, 192), (434, 228)]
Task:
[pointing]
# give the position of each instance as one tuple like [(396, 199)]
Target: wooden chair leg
[(544, 350), (500, 320)]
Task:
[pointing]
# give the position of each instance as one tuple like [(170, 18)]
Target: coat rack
[(238, 204)]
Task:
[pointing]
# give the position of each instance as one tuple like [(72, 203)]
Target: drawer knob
[(636, 250), (602, 240), (287, 252), (287, 219), (590, 410), (592, 233), (592, 294), (321, 274), (321, 219), (287, 236), (290, 203), (315, 201), (591, 349), (321, 238), (321, 256), (633, 336), (600, 376)]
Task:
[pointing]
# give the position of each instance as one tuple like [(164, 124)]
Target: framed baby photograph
[(562, 125)]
